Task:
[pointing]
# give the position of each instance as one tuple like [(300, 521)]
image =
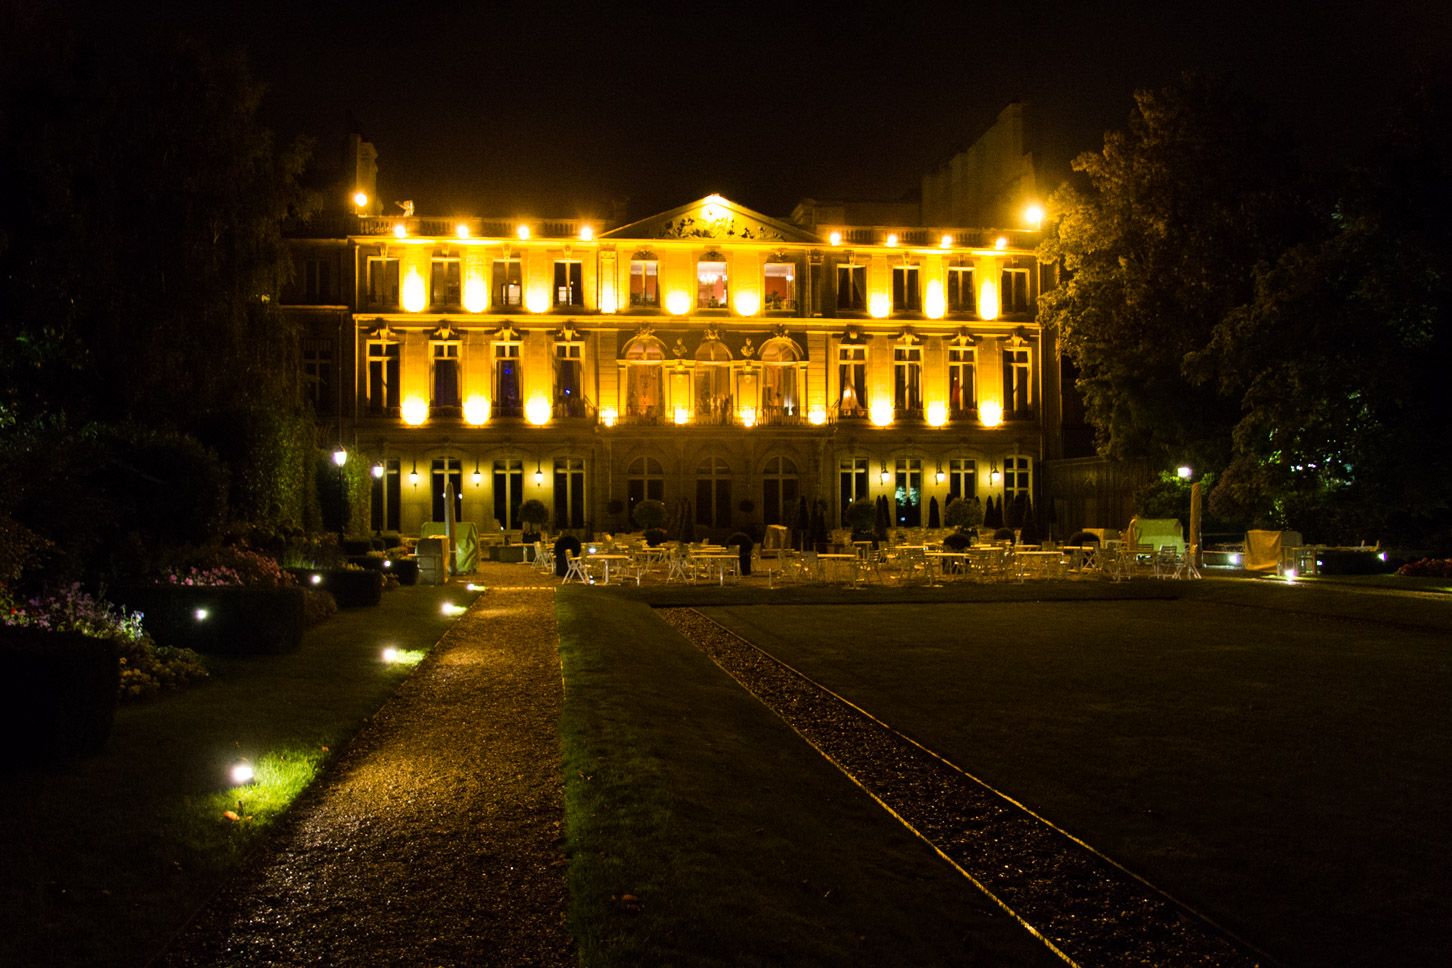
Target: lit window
[(643, 361), (780, 287), (711, 289), (569, 290), (508, 283), (852, 380), (907, 492), (644, 283)]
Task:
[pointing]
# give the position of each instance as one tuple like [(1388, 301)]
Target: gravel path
[(438, 837), (1087, 910)]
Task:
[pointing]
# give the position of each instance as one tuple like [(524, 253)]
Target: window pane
[(711, 285)]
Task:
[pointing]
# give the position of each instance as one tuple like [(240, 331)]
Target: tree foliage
[(1288, 340), (1156, 242)]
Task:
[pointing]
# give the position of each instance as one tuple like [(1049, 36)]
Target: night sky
[(544, 110)]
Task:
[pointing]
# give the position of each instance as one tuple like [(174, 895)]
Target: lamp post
[(340, 458)]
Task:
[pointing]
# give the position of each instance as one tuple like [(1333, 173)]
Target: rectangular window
[(711, 285), (317, 361), (852, 380), (962, 479), (780, 287), (382, 386), (1018, 401), (382, 282), (908, 493), (387, 497), (508, 492), (444, 360), (445, 290), (962, 297), (569, 493), (644, 282), (1016, 477), (508, 283), (851, 484), (906, 296), (443, 472), (569, 381), (851, 287), (1015, 290), (907, 390), (962, 380), (569, 287), (508, 381), (318, 281)]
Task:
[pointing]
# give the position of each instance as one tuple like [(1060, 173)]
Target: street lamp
[(340, 458)]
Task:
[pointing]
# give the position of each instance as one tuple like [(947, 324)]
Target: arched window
[(642, 360), (644, 480), (713, 493), (779, 491), (713, 381), (782, 379)]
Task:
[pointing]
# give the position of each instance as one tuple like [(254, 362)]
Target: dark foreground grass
[(104, 860), (702, 831), (1286, 773)]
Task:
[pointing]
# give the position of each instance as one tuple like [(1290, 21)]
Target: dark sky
[(543, 109)]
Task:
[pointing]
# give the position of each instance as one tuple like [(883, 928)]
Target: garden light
[(201, 614), (450, 610), (1183, 472), (242, 773), (378, 471), (315, 578), (340, 456), (390, 654), (475, 588)]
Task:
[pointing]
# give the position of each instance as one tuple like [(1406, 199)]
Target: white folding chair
[(575, 569)]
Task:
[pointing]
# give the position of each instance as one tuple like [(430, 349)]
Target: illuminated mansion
[(724, 361)]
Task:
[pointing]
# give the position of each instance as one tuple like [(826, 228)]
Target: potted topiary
[(649, 514), (861, 518), (534, 516), (963, 513)]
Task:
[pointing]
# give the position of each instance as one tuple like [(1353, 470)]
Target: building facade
[(723, 361)]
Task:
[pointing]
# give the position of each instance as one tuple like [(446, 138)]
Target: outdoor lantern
[(1183, 472), (884, 476), (538, 474), (340, 456), (413, 475), (360, 199), (993, 476), (201, 614), (940, 476), (378, 470), (477, 477)]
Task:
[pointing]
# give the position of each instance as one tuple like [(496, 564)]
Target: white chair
[(576, 569)]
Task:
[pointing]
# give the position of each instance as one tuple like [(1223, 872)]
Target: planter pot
[(58, 695), (404, 569)]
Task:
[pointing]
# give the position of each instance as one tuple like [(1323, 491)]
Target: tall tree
[(1157, 240), (1340, 359)]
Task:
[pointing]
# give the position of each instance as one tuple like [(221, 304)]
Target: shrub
[(562, 543), (534, 512), (649, 514), (237, 620), (655, 536), (1427, 568), (144, 666), (957, 541), (963, 512), (743, 544), (319, 606), (862, 515)]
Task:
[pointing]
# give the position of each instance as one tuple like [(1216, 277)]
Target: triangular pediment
[(712, 217)]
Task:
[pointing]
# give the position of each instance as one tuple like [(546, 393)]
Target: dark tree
[(1157, 242)]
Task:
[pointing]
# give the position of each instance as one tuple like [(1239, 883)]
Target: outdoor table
[(1038, 564), (941, 560), (827, 557), (606, 559), (721, 560)]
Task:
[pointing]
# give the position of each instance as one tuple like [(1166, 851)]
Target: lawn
[(702, 831), (105, 860), (1282, 769)]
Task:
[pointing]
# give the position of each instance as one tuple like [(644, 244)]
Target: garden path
[(438, 838)]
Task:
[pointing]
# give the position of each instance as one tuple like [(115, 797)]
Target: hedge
[(235, 619)]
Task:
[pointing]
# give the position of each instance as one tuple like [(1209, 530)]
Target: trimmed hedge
[(351, 589), (58, 694), (239, 620), (404, 569), (1330, 562)]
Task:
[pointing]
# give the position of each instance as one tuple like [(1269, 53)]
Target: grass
[(702, 831), (1278, 759), (106, 859)]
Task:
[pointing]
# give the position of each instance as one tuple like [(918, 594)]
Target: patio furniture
[(575, 569)]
